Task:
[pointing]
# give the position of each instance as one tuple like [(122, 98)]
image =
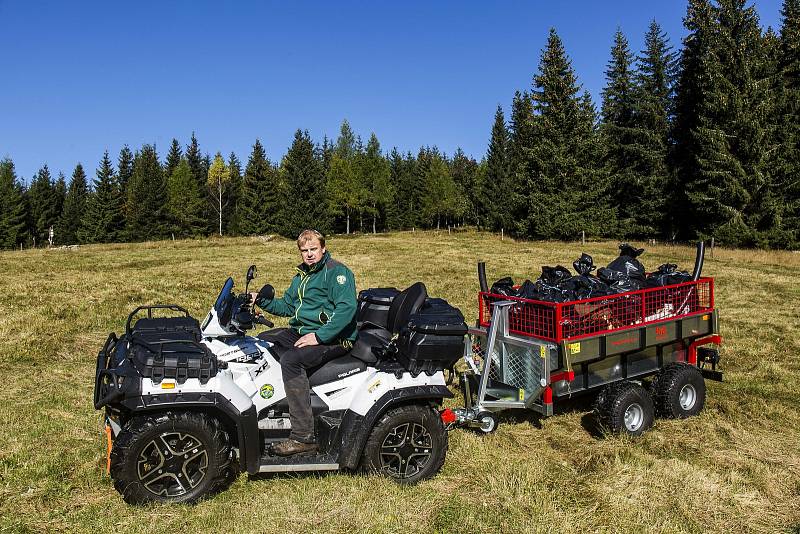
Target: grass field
[(736, 467)]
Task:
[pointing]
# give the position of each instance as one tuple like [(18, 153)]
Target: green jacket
[(320, 299)]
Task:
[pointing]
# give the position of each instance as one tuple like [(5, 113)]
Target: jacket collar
[(305, 269)]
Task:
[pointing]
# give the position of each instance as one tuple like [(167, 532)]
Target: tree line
[(697, 143)]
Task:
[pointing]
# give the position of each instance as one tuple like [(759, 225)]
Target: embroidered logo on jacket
[(341, 279)]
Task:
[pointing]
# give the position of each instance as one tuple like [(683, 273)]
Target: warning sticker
[(574, 348)]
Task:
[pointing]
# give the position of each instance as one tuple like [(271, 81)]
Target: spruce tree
[(259, 209), (307, 206), (173, 157), (786, 163), (620, 137), (565, 193), (402, 213), (728, 190), (376, 178), (231, 222), (184, 203), (498, 171), (125, 169), (104, 220), (147, 215), (69, 223), (464, 171), (653, 104), (13, 215), (45, 205), (521, 143)]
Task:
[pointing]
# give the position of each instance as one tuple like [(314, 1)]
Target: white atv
[(187, 407)]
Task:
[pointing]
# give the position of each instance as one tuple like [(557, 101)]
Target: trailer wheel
[(625, 408), (171, 457), (408, 444), (487, 422), (680, 391)]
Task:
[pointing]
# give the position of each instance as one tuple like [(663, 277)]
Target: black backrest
[(404, 304)]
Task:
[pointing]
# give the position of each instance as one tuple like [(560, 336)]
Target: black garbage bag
[(628, 264), (548, 286), (504, 286), (667, 274), (584, 285), (528, 290), (618, 281), (584, 265)]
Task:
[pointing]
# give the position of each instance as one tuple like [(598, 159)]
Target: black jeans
[(294, 365)]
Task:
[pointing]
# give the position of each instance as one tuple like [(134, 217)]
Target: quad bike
[(187, 406)]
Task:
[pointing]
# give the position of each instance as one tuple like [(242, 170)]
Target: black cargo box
[(433, 339), (374, 304), (169, 347)]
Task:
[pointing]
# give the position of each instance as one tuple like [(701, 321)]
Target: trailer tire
[(679, 391), (487, 422), (192, 449), (624, 408), (408, 444)]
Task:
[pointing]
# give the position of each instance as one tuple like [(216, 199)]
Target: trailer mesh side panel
[(570, 320), (519, 366)]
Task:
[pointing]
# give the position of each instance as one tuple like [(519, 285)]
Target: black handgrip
[(698, 260), (266, 293), (482, 276), (260, 319)]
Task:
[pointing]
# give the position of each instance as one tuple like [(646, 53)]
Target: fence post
[(501, 234), (583, 237)]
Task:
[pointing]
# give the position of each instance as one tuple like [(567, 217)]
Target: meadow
[(735, 467)]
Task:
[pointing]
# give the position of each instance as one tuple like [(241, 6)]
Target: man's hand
[(307, 340), (253, 298)]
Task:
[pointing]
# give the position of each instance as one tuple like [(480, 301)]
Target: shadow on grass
[(582, 403)]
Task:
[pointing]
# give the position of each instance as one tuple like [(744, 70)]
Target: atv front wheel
[(171, 457), (408, 444)]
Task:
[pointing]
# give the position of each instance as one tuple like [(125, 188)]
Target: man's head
[(312, 246)]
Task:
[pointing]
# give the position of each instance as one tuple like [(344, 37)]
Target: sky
[(79, 78)]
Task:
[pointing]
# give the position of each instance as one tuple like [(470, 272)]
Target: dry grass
[(735, 467)]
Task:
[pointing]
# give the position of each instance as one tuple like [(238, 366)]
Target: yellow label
[(374, 386), (542, 351), (574, 348), (705, 317), (521, 395), (168, 385)]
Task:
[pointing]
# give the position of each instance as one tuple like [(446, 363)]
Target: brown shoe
[(292, 446)]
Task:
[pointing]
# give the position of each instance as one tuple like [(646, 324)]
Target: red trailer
[(643, 353)]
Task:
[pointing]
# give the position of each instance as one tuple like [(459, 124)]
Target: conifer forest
[(696, 139)]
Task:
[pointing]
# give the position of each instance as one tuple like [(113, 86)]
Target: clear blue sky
[(77, 78)]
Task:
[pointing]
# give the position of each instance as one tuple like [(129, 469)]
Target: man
[(321, 301)]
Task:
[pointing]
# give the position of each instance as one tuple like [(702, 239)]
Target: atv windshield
[(225, 302)]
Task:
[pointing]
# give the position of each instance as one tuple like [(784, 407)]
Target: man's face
[(311, 251)]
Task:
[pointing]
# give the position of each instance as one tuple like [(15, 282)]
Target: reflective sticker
[(341, 279), (521, 394), (705, 317), (374, 386), (266, 391), (542, 351), (574, 348)]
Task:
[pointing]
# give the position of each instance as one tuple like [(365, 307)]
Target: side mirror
[(251, 273)]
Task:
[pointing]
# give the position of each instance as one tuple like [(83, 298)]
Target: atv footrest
[(298, 462)]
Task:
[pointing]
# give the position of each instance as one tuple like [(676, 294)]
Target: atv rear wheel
[(171, 457), (408, 444)]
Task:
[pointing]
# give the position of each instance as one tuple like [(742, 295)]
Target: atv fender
[(355, 428)]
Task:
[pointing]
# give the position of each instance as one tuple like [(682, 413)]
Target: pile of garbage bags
[(624, 273)]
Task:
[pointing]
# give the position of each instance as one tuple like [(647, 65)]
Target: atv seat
[(406, 303), (335, 369)]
